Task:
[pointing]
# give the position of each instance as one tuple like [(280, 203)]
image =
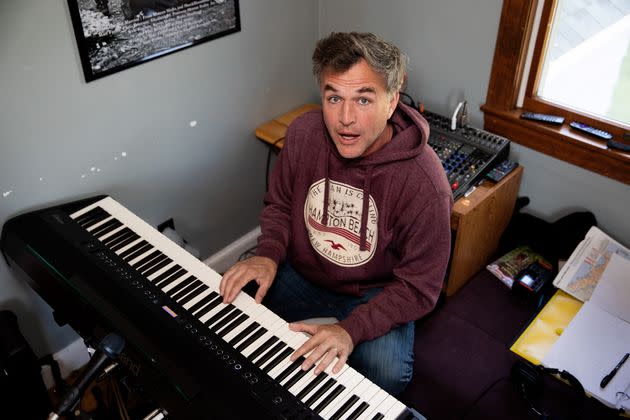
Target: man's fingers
[(343, 358), (329, 357), (262, 291), (302, 327), (233, 289)]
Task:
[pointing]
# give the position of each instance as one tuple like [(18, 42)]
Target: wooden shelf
[(477, 221)]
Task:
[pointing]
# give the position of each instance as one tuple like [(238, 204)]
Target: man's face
[(356, 108)]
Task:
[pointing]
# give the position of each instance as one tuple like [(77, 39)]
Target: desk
[(477, 221)]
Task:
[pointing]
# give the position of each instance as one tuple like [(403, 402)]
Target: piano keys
[(107, 270)]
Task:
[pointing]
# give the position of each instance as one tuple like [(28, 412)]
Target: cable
[(483, 394), (411, 103)]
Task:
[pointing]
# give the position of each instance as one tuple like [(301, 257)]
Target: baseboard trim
[(226, 257)]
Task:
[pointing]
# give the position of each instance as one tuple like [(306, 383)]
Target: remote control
[(604, 135), (618, 145), (551, 119), (497, 173)]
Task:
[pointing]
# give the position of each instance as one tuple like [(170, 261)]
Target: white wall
[(450, 44), (54, 127)]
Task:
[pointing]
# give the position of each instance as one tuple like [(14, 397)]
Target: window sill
[(559, 142)]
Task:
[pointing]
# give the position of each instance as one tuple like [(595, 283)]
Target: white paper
[(583, 270), (589, 348), (612, 293)]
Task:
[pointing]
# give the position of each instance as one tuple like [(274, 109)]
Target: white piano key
[(396, 410), (359, 391), (128, 246), (112, 233), (174, 283), (384, 406), (292, 340), (197, 298), (262, 339), (97, 225), (350, 382), (161, 271), (374, 402)]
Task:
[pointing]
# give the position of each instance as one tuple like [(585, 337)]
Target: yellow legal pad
[(544, 330)]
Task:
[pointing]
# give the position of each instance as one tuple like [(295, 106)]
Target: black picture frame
[(113, 35)]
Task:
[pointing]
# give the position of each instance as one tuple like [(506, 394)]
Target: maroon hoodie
[(350, 224)]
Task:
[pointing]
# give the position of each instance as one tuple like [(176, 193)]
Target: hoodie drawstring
[(367, 182), (326, 188)]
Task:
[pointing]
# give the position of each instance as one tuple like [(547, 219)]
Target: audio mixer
[(466, 153)]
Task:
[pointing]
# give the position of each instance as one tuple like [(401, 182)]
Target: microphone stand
[(108, 349)]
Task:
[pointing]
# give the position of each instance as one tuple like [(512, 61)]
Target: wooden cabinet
[(477, 221)]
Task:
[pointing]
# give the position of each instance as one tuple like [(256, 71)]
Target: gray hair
[(339, 51)]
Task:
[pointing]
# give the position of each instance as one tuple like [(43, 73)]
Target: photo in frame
[(113, 35)]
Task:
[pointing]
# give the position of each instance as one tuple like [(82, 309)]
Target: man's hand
[(327, 342), (261, 269)]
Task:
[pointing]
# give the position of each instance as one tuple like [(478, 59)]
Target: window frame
[(502, 113)]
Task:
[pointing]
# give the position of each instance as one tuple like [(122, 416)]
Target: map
[(582, 272)]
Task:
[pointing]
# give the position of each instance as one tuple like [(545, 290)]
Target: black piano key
[(133, 249), (96, 217), (202, 302), (142, 250), (157, 267), (247, 331), (238, 321), (193, 294), (279, 358), (378, 416), (124, 242), (263, 347), (296, 377), (155, 261), (290, 369), (105, 228), (167, 274), (359, 410), (311, 385), (328, 399), (170, 279), (107, 222), (90, 214), (277, 348), (345, 407), (186, 290), (117, 237), (144, 260), (213, 304), (184, 283), (249, 340), (321, 391), (225, 320), (223, 312)]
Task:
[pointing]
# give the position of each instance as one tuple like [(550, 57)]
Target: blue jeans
[(386, 361)]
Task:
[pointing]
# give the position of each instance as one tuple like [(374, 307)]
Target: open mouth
[(347, 136)]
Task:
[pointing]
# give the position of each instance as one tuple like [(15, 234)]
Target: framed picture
[(113, 35)]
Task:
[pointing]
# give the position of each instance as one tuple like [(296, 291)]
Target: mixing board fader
[(466, 153)]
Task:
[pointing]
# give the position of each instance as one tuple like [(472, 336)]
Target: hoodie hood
[(411, 134)]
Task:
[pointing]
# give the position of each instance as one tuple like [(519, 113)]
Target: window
[(568, 58)]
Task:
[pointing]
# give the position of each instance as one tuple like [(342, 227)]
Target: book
[(598, 337), (509, 265), (583, 270)]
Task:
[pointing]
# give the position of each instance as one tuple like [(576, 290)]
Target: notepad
[(599, 336)]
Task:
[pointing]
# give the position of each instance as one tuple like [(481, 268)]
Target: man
[(357, 218)]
